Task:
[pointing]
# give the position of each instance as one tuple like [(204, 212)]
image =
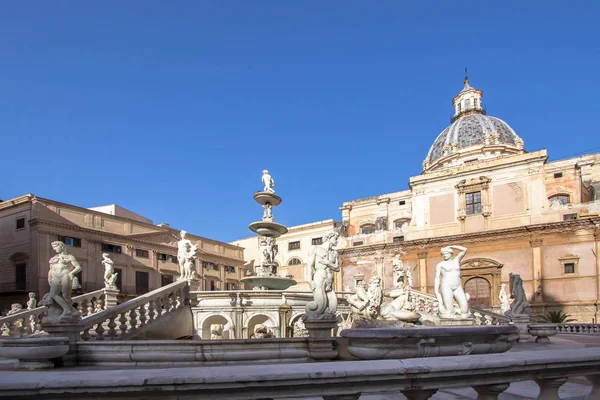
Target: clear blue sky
[(172, 109)]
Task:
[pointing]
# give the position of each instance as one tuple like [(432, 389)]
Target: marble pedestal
[(522, 322), (458, 321), (321, 344), (72, 332)]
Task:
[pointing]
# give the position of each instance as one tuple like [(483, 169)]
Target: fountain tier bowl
[(263, 198), (270, 282), (268, 229)]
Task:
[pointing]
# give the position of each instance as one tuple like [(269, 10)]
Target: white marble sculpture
[(216, 331), (15, 308), (110, 276), (268, 212), (32, 303), (520, 306), (448, 286), (504, 305), (262, 331), (299, 329), (268, 182), (323, 262), (401, 271), (186, 254), (75, 285), (63, 267), (359, 301)]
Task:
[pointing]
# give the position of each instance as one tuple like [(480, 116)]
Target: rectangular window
[(317, 241), (213, 285), (21, 276), (569, 268), (467, 104), (402, 202), (167, 257), (558, 175), (119, 281), (357, 243), (111, 248), (142, 282), (142, 253), (20, 223), (569, 217), (230, 286), (210, 266), (166, 280), (398, 239), (473, 203), (230, 269), (294, 245), (475, 103), (70, 241)]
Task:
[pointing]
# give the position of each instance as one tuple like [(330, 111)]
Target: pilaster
[(536, 268), (422, 255)]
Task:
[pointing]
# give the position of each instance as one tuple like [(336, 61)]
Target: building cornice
[(531, 232)]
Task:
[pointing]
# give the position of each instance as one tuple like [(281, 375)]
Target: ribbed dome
[(471, 130)]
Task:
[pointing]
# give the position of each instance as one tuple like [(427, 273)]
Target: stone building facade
[(514, 211), (144, 254)]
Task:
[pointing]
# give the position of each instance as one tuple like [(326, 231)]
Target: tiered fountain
[(266, 273)]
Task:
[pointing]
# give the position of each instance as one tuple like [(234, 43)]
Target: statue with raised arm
[(268, 182), (186, 254), (323, 262), (110, 276), (448, 286), (63, 268)]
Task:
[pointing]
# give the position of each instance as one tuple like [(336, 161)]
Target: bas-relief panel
[(569, 289), (508, 199), (441, 209)]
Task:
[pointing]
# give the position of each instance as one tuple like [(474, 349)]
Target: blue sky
[(172, 109)]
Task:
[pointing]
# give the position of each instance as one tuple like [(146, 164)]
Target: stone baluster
[(85, 336), (151, 311), (82, 308), (123, 323), (423, 394), (490, 392), (133, 319), (112, 332), (142, 315), (595, 381), (549, 388), (100, 331)]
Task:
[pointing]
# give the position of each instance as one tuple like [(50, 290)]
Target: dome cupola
[(472, 136)]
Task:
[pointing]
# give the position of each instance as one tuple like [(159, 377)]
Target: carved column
[(418, 394), (422, 255), (549, 388), (536, 268), (490, 392)]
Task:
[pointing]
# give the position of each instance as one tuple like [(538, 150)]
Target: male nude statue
[(447, 280), (323, 261), (268, 182), (63, 268)]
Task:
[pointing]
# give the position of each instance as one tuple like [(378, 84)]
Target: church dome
[(472, 136)]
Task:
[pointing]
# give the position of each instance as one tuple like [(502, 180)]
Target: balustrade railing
[(483, 317), (27, 322), (583, 329), (122, 321)]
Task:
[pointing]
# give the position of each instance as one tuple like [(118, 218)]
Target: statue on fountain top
[(268, 182), (323, 262), (63, 267), (448, 285)]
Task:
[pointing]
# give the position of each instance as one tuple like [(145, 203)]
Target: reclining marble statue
[(63, 267), (186, 254), (448, 285), (323, 262)]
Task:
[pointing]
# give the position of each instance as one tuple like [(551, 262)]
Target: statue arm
[(436, 287), (76, 266), (462, 250)]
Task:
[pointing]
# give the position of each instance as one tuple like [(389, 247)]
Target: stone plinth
[(458, 321), (522, 322), (72, 333), (321, 344)]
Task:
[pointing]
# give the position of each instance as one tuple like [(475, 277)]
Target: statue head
[(332, 238), (361, 285), (446, 253), (182, 234), (265, 171), (31, 295), (105, 255), (58, 246)]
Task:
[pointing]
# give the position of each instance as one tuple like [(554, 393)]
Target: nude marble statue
[(268, 182), (448, 286), (323, 262), (186, 254), (110, 276)]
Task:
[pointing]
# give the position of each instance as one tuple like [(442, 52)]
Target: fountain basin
[(34, 353), (263, 198), (268, 229), (399, 343), (269, 282)]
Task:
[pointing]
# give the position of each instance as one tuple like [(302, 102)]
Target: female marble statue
[(503, 297), (63, 268), (323, 261), (448, 286), (110, 276), (186, 254)]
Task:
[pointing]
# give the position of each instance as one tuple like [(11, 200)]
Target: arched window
[(295, 261), (560, 199), (367, 229)]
